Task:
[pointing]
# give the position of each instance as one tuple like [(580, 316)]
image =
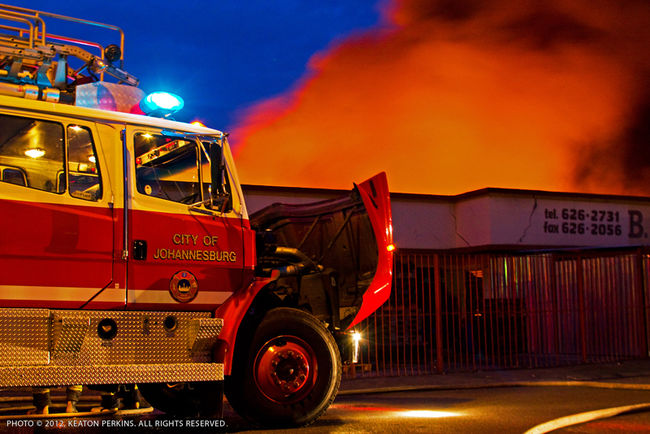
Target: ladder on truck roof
[(35, 64)]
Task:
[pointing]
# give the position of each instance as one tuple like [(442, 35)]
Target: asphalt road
[(501, 410), (498, 410), (632, 423)]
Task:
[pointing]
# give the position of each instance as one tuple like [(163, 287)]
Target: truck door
[(56, 243), (183, 255)]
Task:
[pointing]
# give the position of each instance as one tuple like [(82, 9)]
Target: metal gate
[(468, 311)]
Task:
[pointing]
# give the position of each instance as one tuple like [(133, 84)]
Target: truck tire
[(290, 373), (200, 399)]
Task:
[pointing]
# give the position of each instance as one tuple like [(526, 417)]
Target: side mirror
[(219, 195)]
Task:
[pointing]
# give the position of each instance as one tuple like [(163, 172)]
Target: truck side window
[(33, 148), (84, 180), (167, 168)]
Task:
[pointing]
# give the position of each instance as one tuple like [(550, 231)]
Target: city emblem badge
[(183, 286)]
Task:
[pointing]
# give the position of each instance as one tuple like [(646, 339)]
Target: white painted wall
[(498, 218)]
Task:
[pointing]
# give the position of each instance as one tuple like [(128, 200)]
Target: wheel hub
[(285, 368)]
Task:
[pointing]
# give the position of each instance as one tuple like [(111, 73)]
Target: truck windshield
[(167, 168)]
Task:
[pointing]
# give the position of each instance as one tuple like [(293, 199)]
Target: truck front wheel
[(290, 373)]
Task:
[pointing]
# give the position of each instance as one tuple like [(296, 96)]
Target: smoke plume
[(449, 96)]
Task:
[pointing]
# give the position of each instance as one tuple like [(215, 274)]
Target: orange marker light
[(390, 247)]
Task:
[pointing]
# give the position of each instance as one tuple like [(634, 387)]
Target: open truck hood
[(346, 244)]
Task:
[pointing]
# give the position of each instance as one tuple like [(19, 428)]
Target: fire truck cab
[(127, 254)]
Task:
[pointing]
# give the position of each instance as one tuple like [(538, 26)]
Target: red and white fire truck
[(127, 255)]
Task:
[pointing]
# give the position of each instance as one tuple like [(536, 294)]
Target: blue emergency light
[(161, 104)]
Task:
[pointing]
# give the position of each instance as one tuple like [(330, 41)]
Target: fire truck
[(127, 255)]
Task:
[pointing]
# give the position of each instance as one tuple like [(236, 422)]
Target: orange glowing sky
[(448, 97)]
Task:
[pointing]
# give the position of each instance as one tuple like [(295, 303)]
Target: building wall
[(519, 299), (516, 219)]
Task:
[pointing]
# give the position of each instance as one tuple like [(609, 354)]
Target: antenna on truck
[(36, 64)]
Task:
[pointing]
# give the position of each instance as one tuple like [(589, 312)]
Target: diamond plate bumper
[(41, 347), (109, 374)]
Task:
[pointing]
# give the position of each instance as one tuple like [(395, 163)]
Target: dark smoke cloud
[(635, 150), (619, 30), (545, 30), (455, 95)]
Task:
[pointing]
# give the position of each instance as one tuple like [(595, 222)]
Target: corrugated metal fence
[(461, 311)]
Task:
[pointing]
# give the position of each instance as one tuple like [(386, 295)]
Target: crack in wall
[(453, 215), (530, 220)]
